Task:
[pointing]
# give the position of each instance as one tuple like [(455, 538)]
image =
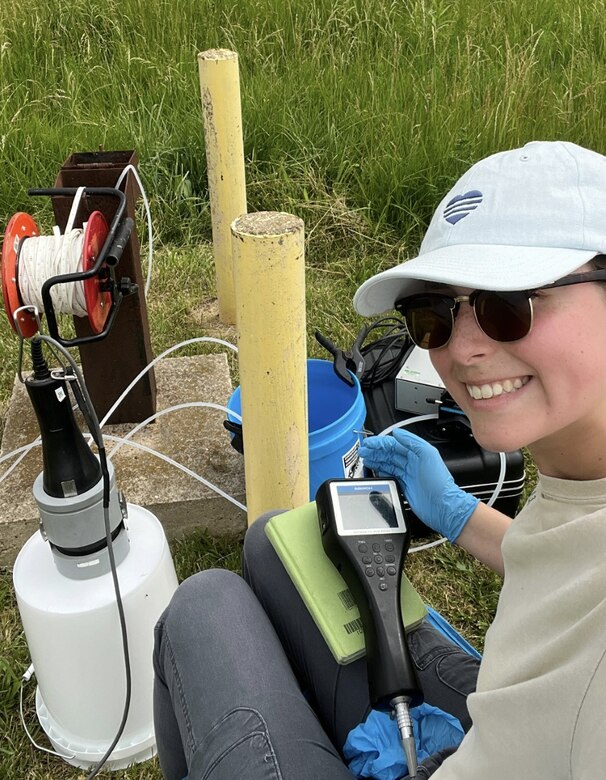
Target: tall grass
[(382, 102)]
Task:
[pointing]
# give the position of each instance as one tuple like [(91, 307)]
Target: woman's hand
[(427, 484)]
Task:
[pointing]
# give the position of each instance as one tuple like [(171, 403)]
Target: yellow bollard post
[(269, 266), (220, 89)]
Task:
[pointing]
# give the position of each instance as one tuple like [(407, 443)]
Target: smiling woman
[(508, 301), (532, 373), (522, 355)]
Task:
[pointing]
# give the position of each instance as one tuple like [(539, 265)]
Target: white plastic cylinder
[(73, 633)]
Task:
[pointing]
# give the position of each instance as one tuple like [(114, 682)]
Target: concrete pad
[(194, 437)]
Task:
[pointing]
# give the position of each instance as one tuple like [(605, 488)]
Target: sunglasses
[(502, 316)]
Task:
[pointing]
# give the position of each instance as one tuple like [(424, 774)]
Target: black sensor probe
[(365, 535)]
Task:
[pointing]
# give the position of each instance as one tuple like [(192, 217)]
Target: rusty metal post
[(111, 364)]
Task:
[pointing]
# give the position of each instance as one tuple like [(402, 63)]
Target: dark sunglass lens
[(504, 316), (428, 319)]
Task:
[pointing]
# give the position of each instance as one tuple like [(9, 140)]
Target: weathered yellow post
[(220, 88), (269, 266)]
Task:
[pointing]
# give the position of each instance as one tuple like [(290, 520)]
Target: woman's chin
[(497, 441)]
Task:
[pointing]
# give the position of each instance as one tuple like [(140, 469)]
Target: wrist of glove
[(425, 481)]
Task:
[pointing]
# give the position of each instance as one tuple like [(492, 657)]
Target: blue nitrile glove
[(373, 748), (427, 484)]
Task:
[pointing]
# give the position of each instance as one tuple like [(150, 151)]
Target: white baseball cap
[(517, 220)]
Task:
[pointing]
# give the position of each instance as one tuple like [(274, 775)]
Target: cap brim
[(478, 266)]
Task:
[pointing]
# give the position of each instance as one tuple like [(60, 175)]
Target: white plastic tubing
[(121, 441)]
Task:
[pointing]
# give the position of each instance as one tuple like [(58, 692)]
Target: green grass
[(381, 102), (358, 115)]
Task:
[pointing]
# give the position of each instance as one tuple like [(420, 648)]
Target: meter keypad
[(378, 560)]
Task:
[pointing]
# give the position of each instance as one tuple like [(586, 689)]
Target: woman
[(506, 295)]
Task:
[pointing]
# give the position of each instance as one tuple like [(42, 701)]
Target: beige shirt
[(539, 712)]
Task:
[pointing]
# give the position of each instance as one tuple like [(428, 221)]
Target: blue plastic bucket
[(336, 414)]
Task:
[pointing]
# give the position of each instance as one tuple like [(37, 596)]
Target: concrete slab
[(194, 437)]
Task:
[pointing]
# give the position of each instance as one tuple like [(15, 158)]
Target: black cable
[(114, 572), (391, 346)]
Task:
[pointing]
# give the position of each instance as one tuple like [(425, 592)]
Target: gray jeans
[(245, 686)]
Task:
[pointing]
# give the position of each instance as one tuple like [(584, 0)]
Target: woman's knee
[(255, 538), (200, 586), (198, 597), (256, 543)]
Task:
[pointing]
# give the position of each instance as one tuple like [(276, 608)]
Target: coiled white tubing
[(42, 257)]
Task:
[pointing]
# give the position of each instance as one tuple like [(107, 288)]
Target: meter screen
[(369, 507)]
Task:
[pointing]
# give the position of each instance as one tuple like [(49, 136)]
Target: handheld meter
[(365, 535)]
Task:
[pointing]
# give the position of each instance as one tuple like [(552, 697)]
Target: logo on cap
[(461, 205)]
